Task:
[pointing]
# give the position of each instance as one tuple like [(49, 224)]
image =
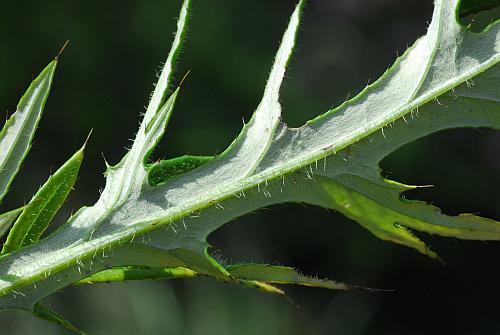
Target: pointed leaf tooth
[(18, 131), (347, 197), (421, 216), (146, 141), (161, 88), (401, 235), (259, 132), (401, 186), (282, 275), (37, 215), (128, 177), (157, 126), (425, 217), (130, 172), (269, 105)]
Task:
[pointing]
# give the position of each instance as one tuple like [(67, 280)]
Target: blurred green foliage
[(103, 82)]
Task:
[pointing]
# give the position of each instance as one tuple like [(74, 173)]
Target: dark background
[(103, 82)]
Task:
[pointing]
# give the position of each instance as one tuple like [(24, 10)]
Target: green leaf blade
[(159, 95), (37, 215), (18, 131)]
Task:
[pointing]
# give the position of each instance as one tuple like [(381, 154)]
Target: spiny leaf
[(6, 219), (332, 161), (37, 215), (18, 131), (356, 188)]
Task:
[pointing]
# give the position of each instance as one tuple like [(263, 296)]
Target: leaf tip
[(184, 78), (61, 50), (87, 139)]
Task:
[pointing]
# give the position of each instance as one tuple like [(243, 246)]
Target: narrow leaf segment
[(18, 131), (37, 215)]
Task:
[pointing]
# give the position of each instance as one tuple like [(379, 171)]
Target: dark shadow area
[(477, 15)]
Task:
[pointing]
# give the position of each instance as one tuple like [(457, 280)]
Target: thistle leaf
[(154, 219), (38, 213), (18, 131)]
